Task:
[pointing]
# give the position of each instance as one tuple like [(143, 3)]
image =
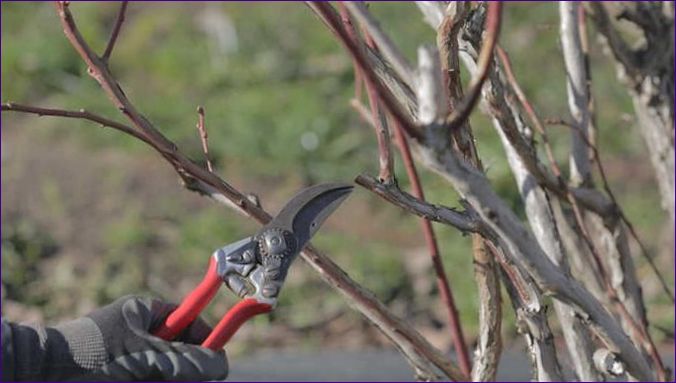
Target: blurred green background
[(89, 214)]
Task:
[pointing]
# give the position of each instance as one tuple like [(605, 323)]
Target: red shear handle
[(238, 314), (191, 306)]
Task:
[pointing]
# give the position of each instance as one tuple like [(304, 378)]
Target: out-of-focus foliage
[(89, 214)]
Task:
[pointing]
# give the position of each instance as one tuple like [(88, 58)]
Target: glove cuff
[(85, 343)]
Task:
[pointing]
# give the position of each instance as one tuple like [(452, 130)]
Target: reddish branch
[(386, 163), (432, 244), (79, 114), (116, 31), (386, 176), (611, 195), (493, 20), (329, 16), (204, 138)]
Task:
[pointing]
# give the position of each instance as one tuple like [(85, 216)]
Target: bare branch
[(464, 221), (476, 189), (619, 48), (489, 345), (432, 103), (116, 31), (328, 15), (647, 72), (497, 108), (542, 222), (621, 275), (381, 127), (204, 138), (462, 111), (79, 114), (390, 51), (431, 240), (531, 315), (606, 186), (433, 12), (489, 340), (578, 91)]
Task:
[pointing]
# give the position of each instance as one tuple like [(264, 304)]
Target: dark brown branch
[(204, 138), (116, 31), (77, 114), (465, 221)]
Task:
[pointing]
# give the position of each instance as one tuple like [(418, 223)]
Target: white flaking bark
[(647, 72), (578, 95), (607, 234), (541, 219)]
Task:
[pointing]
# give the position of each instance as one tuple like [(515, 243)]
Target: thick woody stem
[(631, 301), (630, 226), (489, 342), (578, 92)]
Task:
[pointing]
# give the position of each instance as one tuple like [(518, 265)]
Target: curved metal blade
[(304, 214)]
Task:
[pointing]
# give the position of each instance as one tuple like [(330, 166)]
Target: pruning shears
[(255, 267)]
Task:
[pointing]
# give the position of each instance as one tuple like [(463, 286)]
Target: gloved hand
[(114, 343)]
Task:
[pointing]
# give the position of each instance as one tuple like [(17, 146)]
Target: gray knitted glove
[(114, 343)]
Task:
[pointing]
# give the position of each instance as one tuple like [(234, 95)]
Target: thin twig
[(385, 160), (386, 46), (488, 342), (327, 14), (463, 110), (620, 308), (611, 195), (433, 246), (78, 114), (204, 138), (362, 111), (349, 27), (116, 31)]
